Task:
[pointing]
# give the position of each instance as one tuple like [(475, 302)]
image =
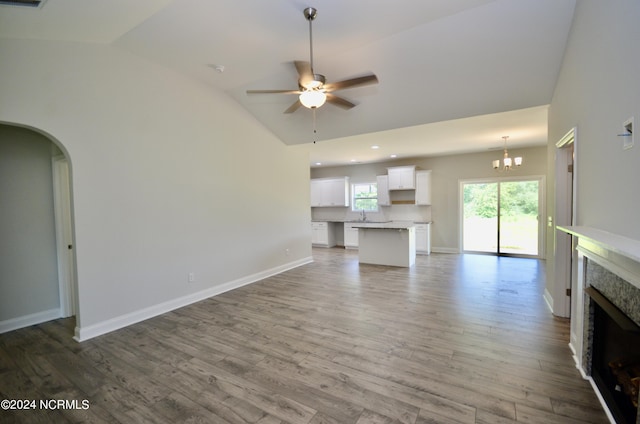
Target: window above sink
[(364, 197)]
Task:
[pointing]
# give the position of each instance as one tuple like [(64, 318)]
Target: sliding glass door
[(502, 217)]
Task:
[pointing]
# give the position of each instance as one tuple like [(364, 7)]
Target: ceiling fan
[(313, 90)]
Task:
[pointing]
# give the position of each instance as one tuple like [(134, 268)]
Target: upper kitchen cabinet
[(383, 190), (402, 177), (423, 187), (330, 192)]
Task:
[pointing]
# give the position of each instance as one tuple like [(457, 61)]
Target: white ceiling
[(454, 75)]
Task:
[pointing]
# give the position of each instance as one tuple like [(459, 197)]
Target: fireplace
[(615, 361), (605, 318)]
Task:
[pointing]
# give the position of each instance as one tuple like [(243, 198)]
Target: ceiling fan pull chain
[(314, 125)]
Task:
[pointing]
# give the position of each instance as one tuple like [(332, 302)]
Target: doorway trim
[(565, 266)]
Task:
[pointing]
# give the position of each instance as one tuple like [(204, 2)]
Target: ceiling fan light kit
[(312, 98), (313, 90)]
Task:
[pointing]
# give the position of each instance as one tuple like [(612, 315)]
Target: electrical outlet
[(192, 277), (286, 252)]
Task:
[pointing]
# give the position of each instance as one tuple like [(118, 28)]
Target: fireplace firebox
[(615, 365)]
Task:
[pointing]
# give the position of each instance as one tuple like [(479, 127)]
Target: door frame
[(64, 236), (541, 210), (565, 265)]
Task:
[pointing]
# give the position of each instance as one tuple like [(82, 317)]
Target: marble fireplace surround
[(609, 263)]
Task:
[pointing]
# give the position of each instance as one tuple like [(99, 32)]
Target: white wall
[(28, 268), (169, 176), (447, 171), (597, 90)]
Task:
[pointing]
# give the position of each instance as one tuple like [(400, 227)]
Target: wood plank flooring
[(454, 339)]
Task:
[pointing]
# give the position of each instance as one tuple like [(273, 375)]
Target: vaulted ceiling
[(454, 75)]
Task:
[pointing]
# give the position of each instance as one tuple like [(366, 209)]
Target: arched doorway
[(35, 198)]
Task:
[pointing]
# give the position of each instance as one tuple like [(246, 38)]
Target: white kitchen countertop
[(351, 221), (392, 225)]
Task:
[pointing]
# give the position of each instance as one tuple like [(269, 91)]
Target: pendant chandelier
[(507, 163)]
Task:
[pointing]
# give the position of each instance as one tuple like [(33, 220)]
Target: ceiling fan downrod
[(310, 14)]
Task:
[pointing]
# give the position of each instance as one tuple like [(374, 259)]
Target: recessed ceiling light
[(353, 160), (375, 147), (218, 68), (318, 163), (393, 156)]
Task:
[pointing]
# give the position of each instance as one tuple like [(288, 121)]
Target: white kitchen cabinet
[(350, 236), (383, 190), (338, 192), (423, 239), (402, 177), (423, 187), (316, 192), (322, 234), (330, 192)]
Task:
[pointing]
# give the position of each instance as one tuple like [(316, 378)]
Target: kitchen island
[(387, 243)]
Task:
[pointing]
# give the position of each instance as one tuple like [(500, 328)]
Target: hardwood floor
[(454, 339)]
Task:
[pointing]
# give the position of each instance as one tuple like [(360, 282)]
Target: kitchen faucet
[(363, 216)]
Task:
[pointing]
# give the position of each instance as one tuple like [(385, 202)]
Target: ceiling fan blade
[(350, 83), (293, 107), (339, 101), (273, 92), (305, 72)]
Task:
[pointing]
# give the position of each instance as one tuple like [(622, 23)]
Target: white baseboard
[(577, 361), (29, 320), (451, 250), (85, 333), (548, 299)]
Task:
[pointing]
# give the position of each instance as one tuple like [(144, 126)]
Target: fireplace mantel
[(619, 254)]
